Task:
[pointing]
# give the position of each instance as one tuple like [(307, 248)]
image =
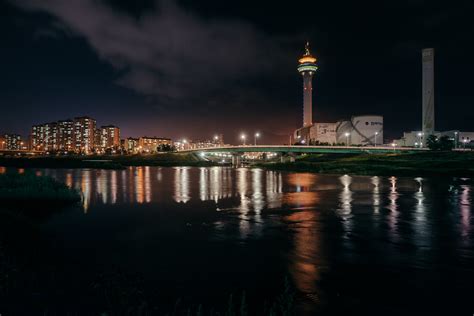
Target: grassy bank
[(30, 189), (104, 162), (400, 164)]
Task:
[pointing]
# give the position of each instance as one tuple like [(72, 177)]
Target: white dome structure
[(361, 130)]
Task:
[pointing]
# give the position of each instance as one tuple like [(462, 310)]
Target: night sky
[(195, 68)]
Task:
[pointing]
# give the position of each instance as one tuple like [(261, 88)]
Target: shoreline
[(394, 164)]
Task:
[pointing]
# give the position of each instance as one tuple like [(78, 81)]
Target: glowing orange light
[(307, 59)]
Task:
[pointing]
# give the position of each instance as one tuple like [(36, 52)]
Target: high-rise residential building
[(84, 134), (65, 135), (13, 142), (51, 136), (37, 137), (109, 137), (152, 144)]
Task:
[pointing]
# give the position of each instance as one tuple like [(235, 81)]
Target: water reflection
[(181, 185), (376, 193), (313, 222)]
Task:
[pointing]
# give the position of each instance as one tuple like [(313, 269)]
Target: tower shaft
[(307, 99), (428, 119)]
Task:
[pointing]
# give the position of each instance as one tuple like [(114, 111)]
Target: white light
[(257, 135), (347, 134)]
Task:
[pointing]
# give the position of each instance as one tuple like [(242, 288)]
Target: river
[(381, 245)]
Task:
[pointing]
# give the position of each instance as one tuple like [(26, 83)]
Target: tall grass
[(31, 188)]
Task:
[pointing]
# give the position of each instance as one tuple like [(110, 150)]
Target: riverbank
[(459, 164), (38, 191), (106, 162), (387, 164)]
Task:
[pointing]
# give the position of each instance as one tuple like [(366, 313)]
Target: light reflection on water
[(331, 219)]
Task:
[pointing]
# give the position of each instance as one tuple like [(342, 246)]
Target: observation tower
[(307, 68)]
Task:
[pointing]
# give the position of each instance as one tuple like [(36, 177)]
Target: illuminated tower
[(428, 92), (307, 67)]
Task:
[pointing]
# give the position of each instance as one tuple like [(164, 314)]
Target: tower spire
[(306, 49)]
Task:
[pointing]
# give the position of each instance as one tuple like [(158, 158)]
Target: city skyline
[(378, 70)]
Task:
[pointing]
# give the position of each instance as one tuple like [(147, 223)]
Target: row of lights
[(243, 137)]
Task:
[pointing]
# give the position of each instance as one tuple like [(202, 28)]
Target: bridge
[(299, 149), (287, 153)]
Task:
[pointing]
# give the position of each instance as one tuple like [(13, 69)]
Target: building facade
[(66, 135), (109, 137), (84, 134), (13, 142), (323, 133), (362, 130), (131, 145), (152, 144)]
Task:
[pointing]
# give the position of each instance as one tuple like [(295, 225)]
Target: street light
[(375, 139), (464, 141), (243, 138), (419, 136), (257, 135), (455, 140), (394, 145), (347, 138)]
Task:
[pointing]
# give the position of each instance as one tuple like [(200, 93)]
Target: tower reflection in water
[(307, 256)]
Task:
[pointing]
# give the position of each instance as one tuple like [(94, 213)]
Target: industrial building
[(364, 130), (418, 138)]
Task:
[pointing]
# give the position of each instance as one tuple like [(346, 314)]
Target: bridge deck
[(303, 149)]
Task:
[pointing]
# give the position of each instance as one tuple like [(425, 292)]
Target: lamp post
[(420, 135), (347, 138), (375, 139), (243, 138), (257, 135), (455, 140), (464, 142), (394, 145), (216, 139)]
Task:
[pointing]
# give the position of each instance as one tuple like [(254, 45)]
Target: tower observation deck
[(307, 67)]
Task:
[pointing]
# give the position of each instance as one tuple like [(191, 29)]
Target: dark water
[(375, 245)]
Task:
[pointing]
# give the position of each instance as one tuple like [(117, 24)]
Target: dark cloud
[(168, 52)]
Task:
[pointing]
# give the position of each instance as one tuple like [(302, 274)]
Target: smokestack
[(428, 119)]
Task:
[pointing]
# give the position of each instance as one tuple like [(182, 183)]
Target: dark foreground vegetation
[(29, 189), (397, 164), (105, 162)]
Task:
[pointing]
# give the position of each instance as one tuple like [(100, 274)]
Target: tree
[(165, 148), (443, 143)]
